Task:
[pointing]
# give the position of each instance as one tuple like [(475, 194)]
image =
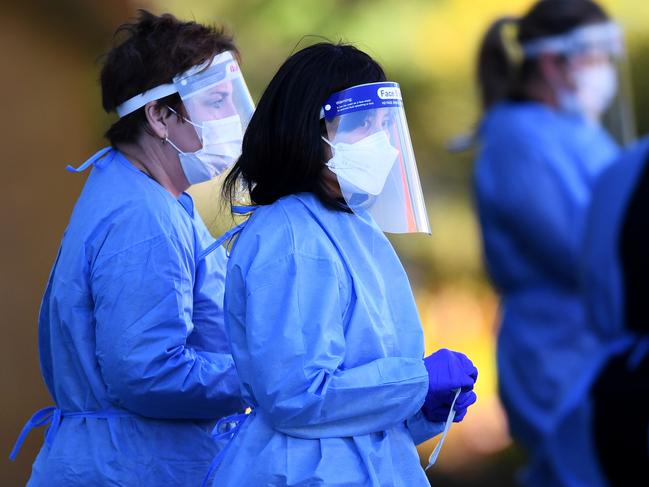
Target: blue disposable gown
[(614, 311), (328, 345), (131, 325), (602, 269), (533, 180)]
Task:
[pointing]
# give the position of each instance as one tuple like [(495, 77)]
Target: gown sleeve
[(143, 298), (295, 337), (421, 429)]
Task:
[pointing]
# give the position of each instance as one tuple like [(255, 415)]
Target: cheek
[(188, 138), (350, 137), (593, 58)]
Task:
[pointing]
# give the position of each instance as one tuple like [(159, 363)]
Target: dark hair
[(282, 150), (499, 76), (149, 52)]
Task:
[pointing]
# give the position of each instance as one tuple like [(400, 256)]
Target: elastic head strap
[(138, 101), (509, 38)]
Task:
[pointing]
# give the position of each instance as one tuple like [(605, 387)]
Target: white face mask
[(595, 88), (365, 164), (221, 147)]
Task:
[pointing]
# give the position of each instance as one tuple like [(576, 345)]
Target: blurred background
[(51, 53)]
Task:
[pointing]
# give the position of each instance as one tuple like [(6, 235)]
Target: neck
[(543, 93), (156, 159), (331, 182)]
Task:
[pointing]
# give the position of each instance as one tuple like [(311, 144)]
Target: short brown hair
[(148, 52)]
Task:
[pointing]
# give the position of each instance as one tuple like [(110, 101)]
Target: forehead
[(225, 87), (591, 55), (378, 113)]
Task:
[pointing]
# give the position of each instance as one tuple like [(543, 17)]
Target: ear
[(156, 116), (552, 69)]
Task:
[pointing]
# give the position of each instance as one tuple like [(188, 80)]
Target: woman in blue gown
[(545, 79), (321, 318), (131, 333)]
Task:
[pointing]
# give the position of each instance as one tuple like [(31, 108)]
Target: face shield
[(372, 156), (598, 71), (219, 107)]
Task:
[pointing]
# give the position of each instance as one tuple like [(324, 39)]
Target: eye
[(216, 100), (367, 123), (387, 122)]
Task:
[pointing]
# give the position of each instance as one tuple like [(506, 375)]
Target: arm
[(296, 345), (143, 308), (421, 429)]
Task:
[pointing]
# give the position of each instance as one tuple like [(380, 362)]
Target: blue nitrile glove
[(448, 371)]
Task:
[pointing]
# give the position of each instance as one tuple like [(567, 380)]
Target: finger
[(473, 373), (461, 407), (459, 416), (466, 383), (464, 400), (442, 398), (437, 415), (467, 365)]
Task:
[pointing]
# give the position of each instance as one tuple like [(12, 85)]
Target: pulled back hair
[(282, 151), (500, 76), (148, 52)]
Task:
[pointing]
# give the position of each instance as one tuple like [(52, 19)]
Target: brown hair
[(148, 52), (499, 75)]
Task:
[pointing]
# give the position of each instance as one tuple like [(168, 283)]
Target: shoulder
[(511, 133), (519, 139), (122, 209), (518, 119), (287, 228)]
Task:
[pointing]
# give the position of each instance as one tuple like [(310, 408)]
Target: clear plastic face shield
[(216, 99), (372, 156), (219, 107), (599, 73)]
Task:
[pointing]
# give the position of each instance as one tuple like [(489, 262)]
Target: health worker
[(615, 268), (320, 315), (131, 333), (548, 82)]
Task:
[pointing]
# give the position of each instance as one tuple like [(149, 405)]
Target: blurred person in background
[(319, 311), (546, 81), (616, 265), (131, 332)]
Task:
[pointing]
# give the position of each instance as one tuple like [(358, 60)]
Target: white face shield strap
[(179, 82), (604, 36)]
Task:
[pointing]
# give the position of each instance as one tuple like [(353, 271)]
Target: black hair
[(282, 151), (150, 51), (499, 76)]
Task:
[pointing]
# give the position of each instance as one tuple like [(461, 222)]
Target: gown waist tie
[(52, 415)]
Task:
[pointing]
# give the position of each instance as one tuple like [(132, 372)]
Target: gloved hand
[(448, 371)]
